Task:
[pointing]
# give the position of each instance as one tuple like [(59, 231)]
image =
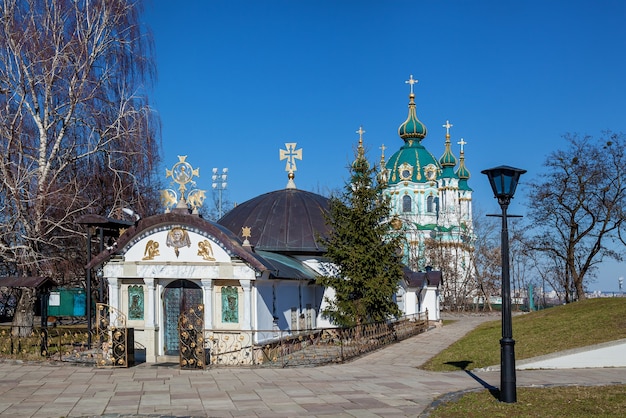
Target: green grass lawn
[(555, 329), (566, 401)]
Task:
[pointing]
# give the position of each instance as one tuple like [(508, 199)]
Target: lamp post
[(503, 180), (219, 184)]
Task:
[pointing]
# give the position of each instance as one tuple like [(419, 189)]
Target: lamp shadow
[(463, 364)]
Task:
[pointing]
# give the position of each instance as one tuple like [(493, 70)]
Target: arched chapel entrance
[(178, 296)]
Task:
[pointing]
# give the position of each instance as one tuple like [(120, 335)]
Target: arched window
[(406, 203), (430, 204)]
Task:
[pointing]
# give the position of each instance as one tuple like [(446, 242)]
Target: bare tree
[(76, 132), (487, 258), (577, 210)]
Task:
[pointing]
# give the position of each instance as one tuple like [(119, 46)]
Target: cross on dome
[(411, 81), (360, 132), (383, 148), (290, 154), (461, 143), (448, 125)]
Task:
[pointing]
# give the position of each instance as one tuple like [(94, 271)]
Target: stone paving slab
[(385, 383)]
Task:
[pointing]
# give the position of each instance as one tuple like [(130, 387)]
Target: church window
[(310, 315), (294, 319), (135, 302), (406, 203), (430, 204), (230, 304)]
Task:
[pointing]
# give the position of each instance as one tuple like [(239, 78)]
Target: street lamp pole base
[(508, 392)]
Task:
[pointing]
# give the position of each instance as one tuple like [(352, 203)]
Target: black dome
[(286, 221)]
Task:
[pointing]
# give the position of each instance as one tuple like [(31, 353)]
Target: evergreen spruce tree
[(366, 255)]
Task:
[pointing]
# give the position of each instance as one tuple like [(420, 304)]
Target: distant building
[(432, 204)]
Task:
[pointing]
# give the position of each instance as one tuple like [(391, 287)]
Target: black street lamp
[(503, 180)]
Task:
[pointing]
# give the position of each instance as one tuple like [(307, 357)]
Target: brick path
[(385, 383)]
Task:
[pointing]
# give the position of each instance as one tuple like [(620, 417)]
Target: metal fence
[(206, 348), (275, 348), (110, 344), (51, 343)]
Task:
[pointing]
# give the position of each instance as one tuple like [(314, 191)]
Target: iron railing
[(276, 348), (217, 348)]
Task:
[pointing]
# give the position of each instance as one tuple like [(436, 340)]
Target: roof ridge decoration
[(182, 173), (412, 128), (290, 154)]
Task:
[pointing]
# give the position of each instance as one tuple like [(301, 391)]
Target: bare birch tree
[(77, 134)]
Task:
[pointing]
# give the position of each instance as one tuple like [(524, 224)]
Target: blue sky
[(239, 79)]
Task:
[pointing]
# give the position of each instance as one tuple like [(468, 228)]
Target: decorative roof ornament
[(411, 81), (448, 159), (246, 232), (182, 173), (383, 175), (290, 154), (412, 128), (361, 150), (360, 165), (462, 172)]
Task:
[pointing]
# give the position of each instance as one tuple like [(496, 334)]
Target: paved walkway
[(385, 383)]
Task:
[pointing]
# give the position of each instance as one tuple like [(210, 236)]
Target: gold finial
[(246, 232), (382, 154), (183, 174), (448, 125), (411, 81)]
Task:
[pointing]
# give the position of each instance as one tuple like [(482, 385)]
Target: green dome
[(463, 174), (412, 128), (448, 160), (414, 163)]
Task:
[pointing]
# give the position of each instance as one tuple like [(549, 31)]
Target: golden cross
[(448, 125), (182, 173)]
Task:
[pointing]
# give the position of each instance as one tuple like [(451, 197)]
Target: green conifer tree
[(366, 254)]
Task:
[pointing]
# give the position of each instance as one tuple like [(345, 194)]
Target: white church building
[(255, 269), (432, 205)]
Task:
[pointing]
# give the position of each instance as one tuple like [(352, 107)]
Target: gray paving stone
[(384, 383)]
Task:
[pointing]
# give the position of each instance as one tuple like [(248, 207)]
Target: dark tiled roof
[(416, 279), (35, 282), (286, 221)]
